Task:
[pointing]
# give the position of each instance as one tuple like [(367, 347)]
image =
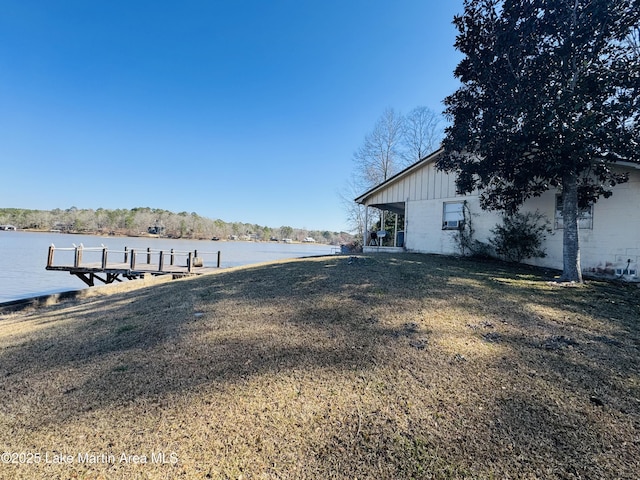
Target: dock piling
[(77, 259), (52, 249)]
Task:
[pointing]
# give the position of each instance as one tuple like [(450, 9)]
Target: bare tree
[(423, 133), (380, 155), (395, 142), (355, 214)]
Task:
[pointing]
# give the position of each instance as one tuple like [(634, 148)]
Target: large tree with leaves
[(550, 98)]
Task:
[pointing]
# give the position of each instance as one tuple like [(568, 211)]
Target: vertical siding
[(426, 183)]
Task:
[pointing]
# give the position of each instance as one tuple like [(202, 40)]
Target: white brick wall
[(614, 238)]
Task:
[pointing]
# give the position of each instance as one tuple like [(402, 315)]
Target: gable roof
[(432, 157)]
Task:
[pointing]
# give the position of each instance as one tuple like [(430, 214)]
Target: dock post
[(78, 257), (104, 257), (132, 264), (148, 255), (50, 256), (218, 258), (190, 262), (171, 263), (126, 254), (161, 262)]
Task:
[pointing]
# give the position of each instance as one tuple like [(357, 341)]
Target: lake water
[(23, 257)]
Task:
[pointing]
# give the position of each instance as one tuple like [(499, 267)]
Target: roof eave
[(401, 174)]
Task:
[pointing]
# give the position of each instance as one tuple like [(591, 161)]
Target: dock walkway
[(108, 266)]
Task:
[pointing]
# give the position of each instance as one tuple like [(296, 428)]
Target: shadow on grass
[(110, 351), (327, 314)]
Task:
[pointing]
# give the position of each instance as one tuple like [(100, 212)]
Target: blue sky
[(243, 110)]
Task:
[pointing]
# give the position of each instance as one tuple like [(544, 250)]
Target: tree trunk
[(571, 240)]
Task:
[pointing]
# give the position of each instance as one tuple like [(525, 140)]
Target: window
[(452, 215), (631, 272), (585, 215)]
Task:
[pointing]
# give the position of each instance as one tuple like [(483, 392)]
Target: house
[(428, 215)]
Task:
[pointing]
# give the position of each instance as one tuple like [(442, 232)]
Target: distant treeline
[(155, 221)]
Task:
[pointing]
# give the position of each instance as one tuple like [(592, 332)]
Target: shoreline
[(86, 292), (55, 298), (24, 258)]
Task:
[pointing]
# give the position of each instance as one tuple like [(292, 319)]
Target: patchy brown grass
[(386, 367)]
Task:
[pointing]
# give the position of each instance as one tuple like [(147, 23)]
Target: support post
[(126, 255), (171, 261), (132, 264), (405, 227), (86, 279), (104, 257), (113, 277), (77, 260), (190, 262), (365, 230), (161, 262), (395, 233), (50, 256), (148, 255), (218, 258)]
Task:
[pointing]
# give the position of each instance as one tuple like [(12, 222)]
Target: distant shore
[(152, 235)]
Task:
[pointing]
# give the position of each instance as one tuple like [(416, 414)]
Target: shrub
[(521, 236)]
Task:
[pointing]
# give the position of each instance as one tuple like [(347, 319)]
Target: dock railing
[(133, 259)]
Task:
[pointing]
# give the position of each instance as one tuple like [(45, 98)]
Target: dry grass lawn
[(383, 367)]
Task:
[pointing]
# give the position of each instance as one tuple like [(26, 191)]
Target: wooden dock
[(108, 266)]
